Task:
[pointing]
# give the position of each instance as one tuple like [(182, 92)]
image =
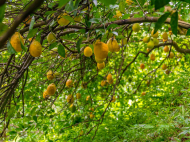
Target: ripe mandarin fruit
[(142, 66), (113, 99), (50, 75), (51, 89), (150, 44), (99, 60), (87, 51), (129, 2), (136, 27), (45, 94), (51, 38), (165, 36), (69, 83), (70, 99), (103, 83), (123, 42), (143, 93), (110, 79), (154, 35), (16, 41), (152, 57), (156, 41), (166, 49), (62, 21), (171, 55), (100, 50), (146, 39), (113, 45), (164, 66), (91, 109), (100, 65), (35, 49), (78, 95), (148, 49), (88, 98), (170, 33), (91, 116)]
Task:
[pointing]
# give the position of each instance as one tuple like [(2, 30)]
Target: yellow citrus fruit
[(129, 2), (91, 109), (154, 35), (103, 83), (69, 83), (152, 57), (136, 27), (16, 41), (123, 41), (142, 66), (150, 44), (165, 35), (113, 45), (70, 99), (148, 49), (171, 55), (100, 50), (164, 66), (170, 33), (51, 38), (62, 21), (88, 98), (156, 41), (143, 93), (51, 89), (78, 95), (166, 49), (113, 99), (45, 94), (87, 51), (146, 39), (100, 65), (91, 116), (99, 60), (50, 75), (35, 49), (110, 79)]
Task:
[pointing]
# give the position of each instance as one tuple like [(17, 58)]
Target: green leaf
[(88, 24), (69, 18), (53, 45), (11, 112), (62, 2), (122, 6), (174, 23), (10, 48), (152, 2), (32, 33), (49, 12), (69, 6), (188, 32), (32, 23), (142, 2), (38, 37), (35, 118), (112, 26), (108, 2), (188, 1), (78, 44), (2, 12), (95, 20), (161, 3), (22, 46), (3, 28), (61, 50), (161, 21), (12, 132)]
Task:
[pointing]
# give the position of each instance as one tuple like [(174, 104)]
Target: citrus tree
[(94, 70)]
